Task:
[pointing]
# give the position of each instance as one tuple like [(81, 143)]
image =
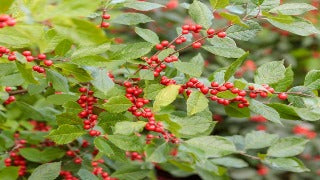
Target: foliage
[(127, 89)]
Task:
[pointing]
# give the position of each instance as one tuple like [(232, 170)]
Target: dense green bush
[(159, 89)]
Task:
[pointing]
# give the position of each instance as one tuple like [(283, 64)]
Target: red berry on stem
[(105, 25), (159, 47), (26, 53), (282, 96), (48, 62), (196, 45), (42, 56), (106, 16), (222, 34)]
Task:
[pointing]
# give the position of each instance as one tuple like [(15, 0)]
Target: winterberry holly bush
[(124, 89)]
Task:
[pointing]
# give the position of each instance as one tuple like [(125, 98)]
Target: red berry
[(106, 16), (210, 31), (93, 133), (11, 22), (242, 93), (214, 84), (36, 68), (282, 96), (159, 47), (8, 89), (165, 43), (105, 24), (26, 53), (204, 90), (78, 161), (29, 58), (222, 34), (263, 94), (253, 95), (47, 62), (196, 45), (12, 57), (83, 89), (42, 56)]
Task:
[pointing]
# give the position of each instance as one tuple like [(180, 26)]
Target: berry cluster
[(29, 58), (216, 88), (86, 101), (104, 17), (15, 159), (134, 156), (133, 93), (301, 130), (67, 175), (6, 20), (9, 100), (39, 126)]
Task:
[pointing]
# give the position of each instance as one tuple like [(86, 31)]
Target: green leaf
[(219, 4), (224, 47), (9, 173), (157, 153), (65, 134), (234, 66), (45, 156), (11, 80), (286, 164), (26, 73), (264, 76), (130, 51), (234, 19), (142, 6), (230, 162), (165, 97), (264, 110), (147, 35), (101, 80), (130, 172), (287, 147), (312, 80), (102, 145), (127, 143), (259, 139), (5, 5), (70, 116), (189, 68), (196, 102), (79, 31), (200, 124), (75, 71), (69, 8), (49, 171), (93, 60), (128, 128), (257, 2), (30, 111), (233, 111), (85, 174), (201, 14), (146, 74), (300, 27), (59, 82), (293, 8), (131, 19), (244, 33), (90, 51), (213, 146), (308, 114), (279, 17), (117, 104), (285, 111), (63, 47), (151, 91), (284, 83), (59, 99)]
